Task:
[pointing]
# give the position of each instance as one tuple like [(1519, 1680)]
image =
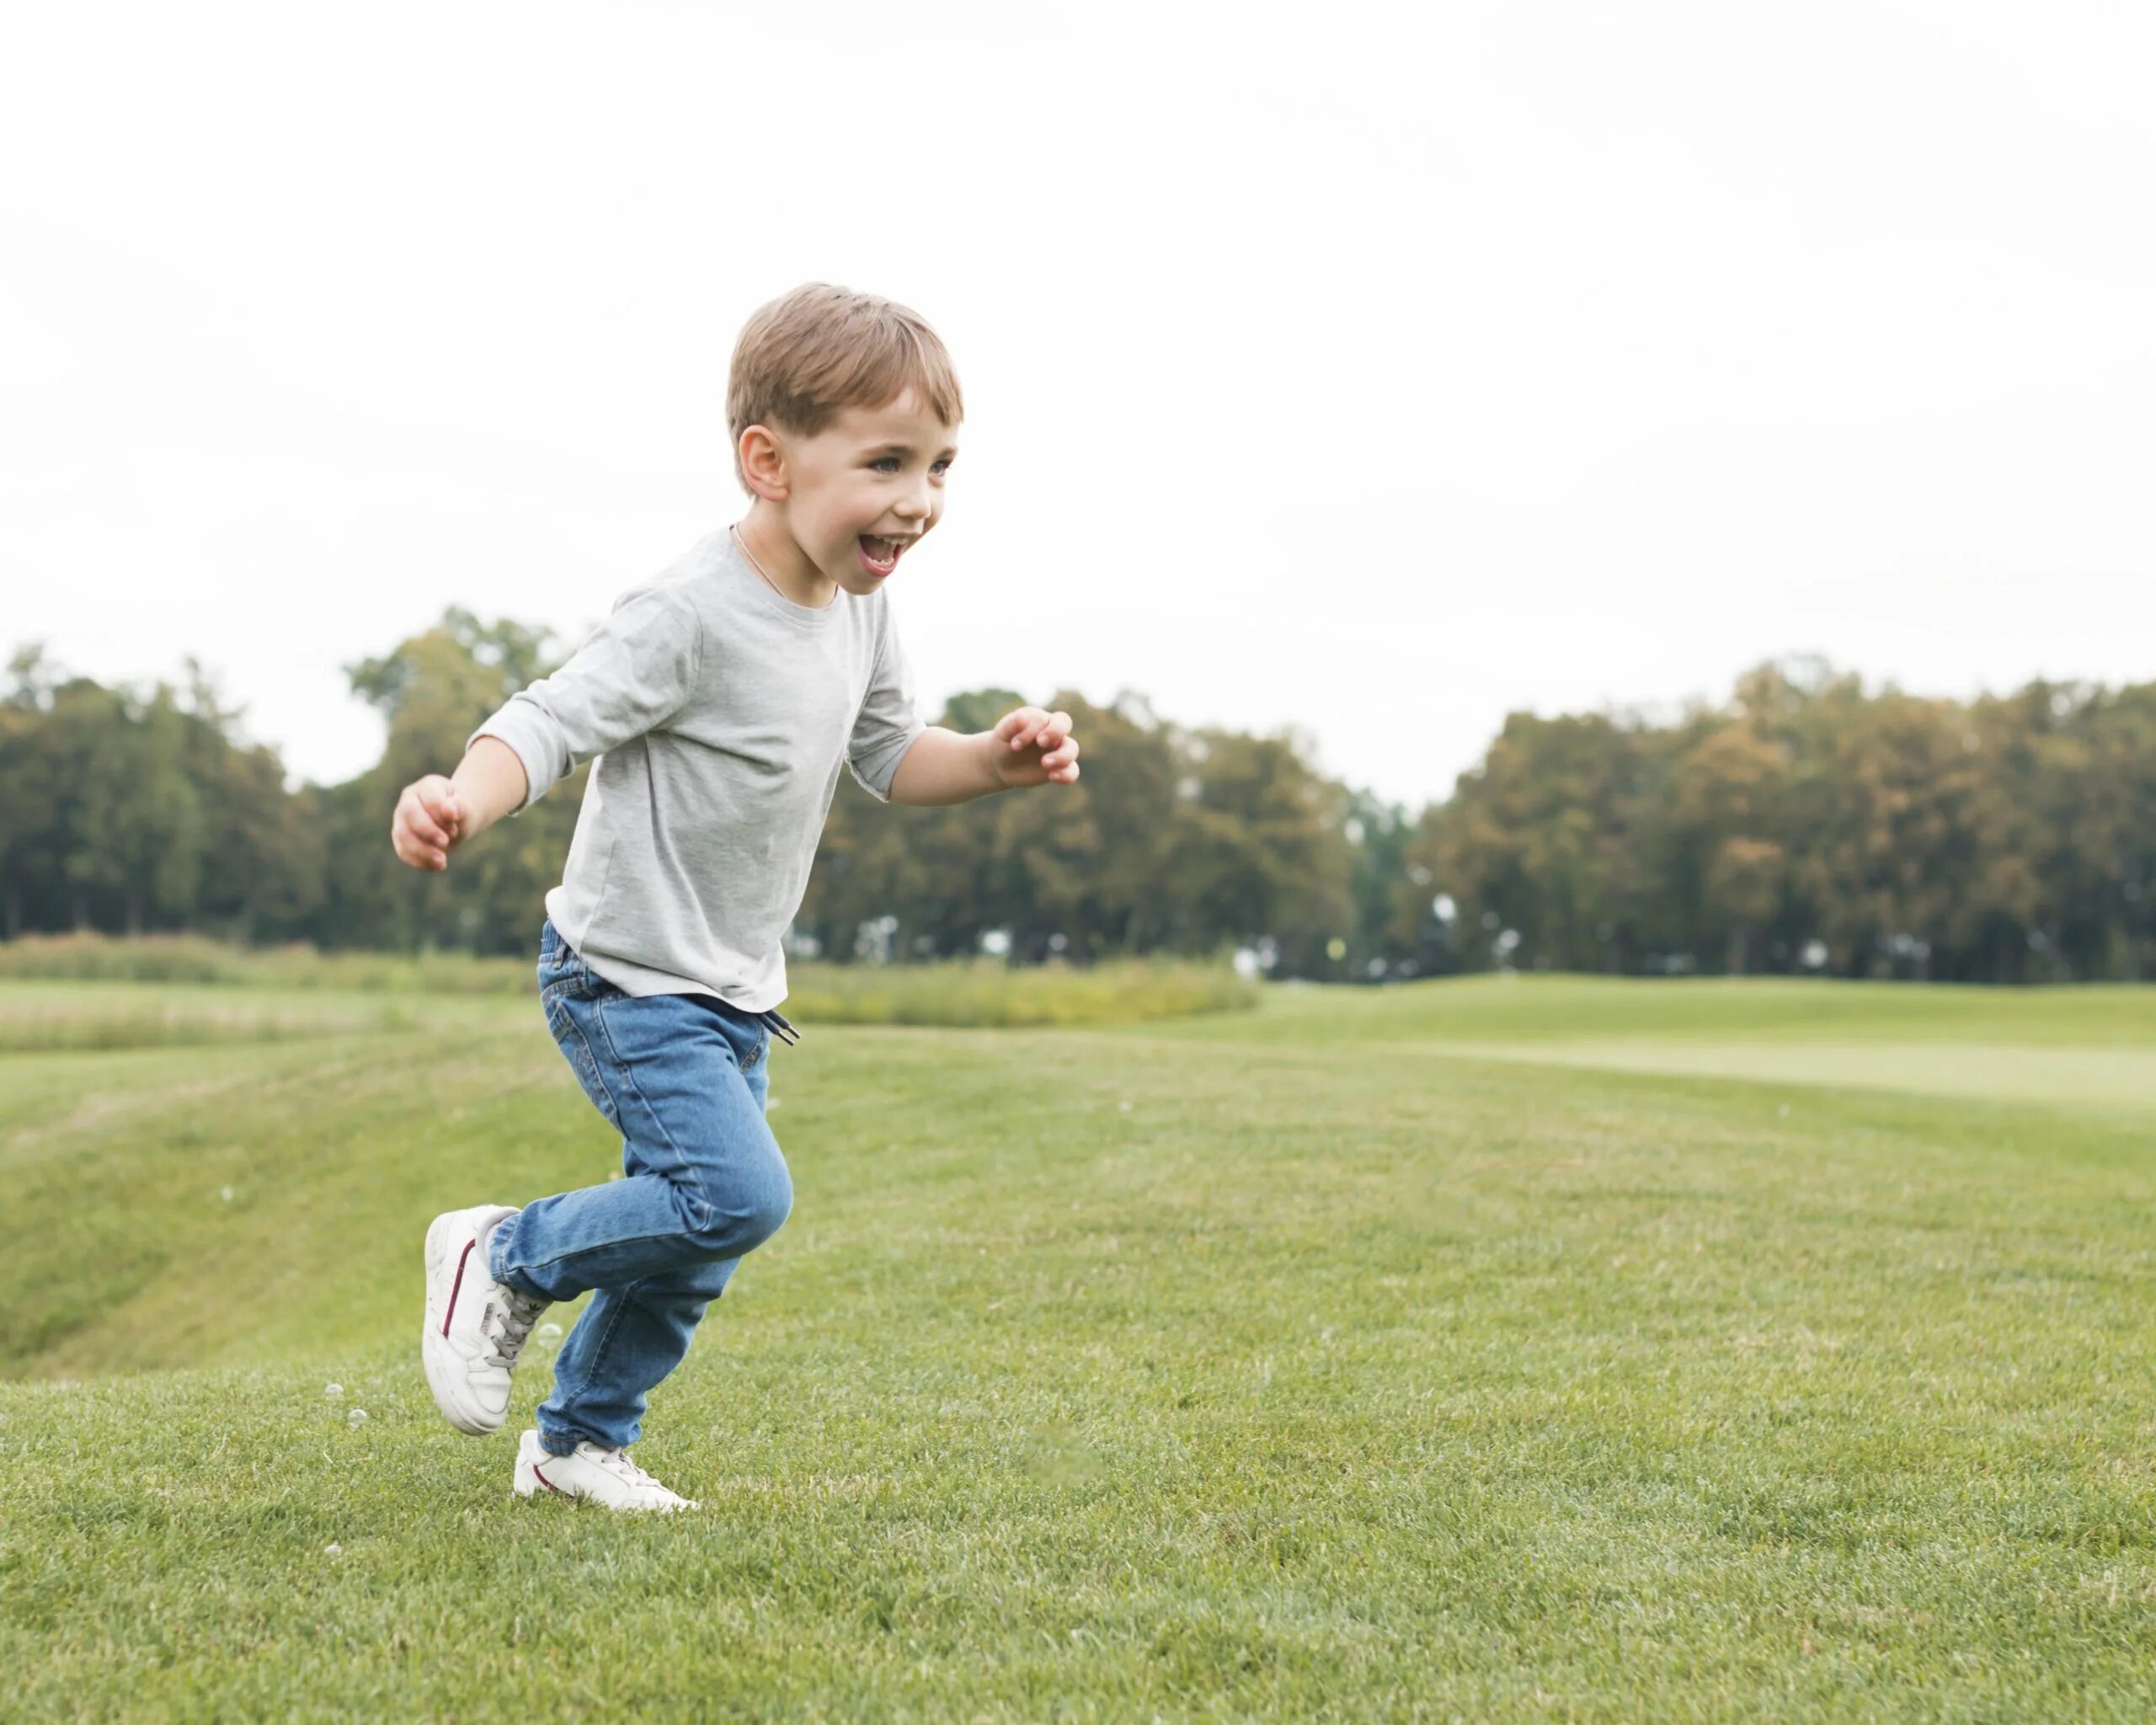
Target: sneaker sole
[(445, 1256), (531, 1482)]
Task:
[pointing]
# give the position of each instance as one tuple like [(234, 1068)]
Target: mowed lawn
[(1534, 1349)]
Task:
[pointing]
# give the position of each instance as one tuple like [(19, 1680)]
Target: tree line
[(1806, 824)]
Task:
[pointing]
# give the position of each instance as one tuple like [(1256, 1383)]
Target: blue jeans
[(683, 1078)]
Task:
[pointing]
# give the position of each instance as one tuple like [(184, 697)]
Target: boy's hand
[(1033, 747), (428, 823)]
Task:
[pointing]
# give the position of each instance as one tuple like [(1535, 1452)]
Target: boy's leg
[(626, 1342), (682, 1076), (629, 1338)]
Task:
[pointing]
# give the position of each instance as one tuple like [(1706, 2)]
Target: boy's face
[(866, 489)]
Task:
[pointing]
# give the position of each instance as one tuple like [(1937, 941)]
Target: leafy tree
[(434, 690), (2009, 838)]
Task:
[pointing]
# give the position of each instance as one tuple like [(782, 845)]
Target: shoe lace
[(506, 1325), (618, 1461)]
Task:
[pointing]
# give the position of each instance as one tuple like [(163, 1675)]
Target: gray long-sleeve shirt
[(720, 712)]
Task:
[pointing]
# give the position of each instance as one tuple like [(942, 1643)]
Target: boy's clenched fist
[(428, 823), (1053, 756)]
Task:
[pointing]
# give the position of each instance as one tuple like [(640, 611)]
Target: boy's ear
[(763, 464)]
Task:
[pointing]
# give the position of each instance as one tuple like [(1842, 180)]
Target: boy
[(720, 699)]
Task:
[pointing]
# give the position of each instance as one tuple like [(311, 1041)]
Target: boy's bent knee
[(766, 1217), (743, 1219)]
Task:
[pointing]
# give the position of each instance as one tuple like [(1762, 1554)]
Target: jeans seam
[(598, 1353), (682, 1162)]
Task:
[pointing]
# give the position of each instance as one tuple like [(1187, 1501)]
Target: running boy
[(720, 699)]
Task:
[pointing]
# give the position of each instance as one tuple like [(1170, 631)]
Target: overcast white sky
[(1376, 370)]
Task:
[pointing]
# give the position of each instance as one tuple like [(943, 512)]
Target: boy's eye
[(880, 467)]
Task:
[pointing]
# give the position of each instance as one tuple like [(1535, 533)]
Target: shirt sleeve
[(887, 725), (635, 671)]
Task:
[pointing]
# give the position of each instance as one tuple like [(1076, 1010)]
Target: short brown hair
[(820, 349)]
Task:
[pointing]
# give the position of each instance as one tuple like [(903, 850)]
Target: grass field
[(1520, 1349)]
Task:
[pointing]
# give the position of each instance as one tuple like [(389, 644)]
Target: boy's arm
[(943, 766), (1028, 747), (489, 783), (897, 759), (635, 671)]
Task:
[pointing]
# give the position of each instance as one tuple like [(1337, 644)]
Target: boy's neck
[(772, 548)]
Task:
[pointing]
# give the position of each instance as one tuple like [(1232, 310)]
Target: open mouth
[(881, 556)]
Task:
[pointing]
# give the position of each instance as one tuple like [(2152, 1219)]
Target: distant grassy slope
[(2093, 1049), (1305, 1372), (1523, 1007)]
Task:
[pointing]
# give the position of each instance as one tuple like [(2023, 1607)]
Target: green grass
[(196, 959), (195, 972), (1305, 1362), (979, 993), (60, 1016)]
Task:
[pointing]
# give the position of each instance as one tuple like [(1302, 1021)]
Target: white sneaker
[(475, 1326), (607, 1475)]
